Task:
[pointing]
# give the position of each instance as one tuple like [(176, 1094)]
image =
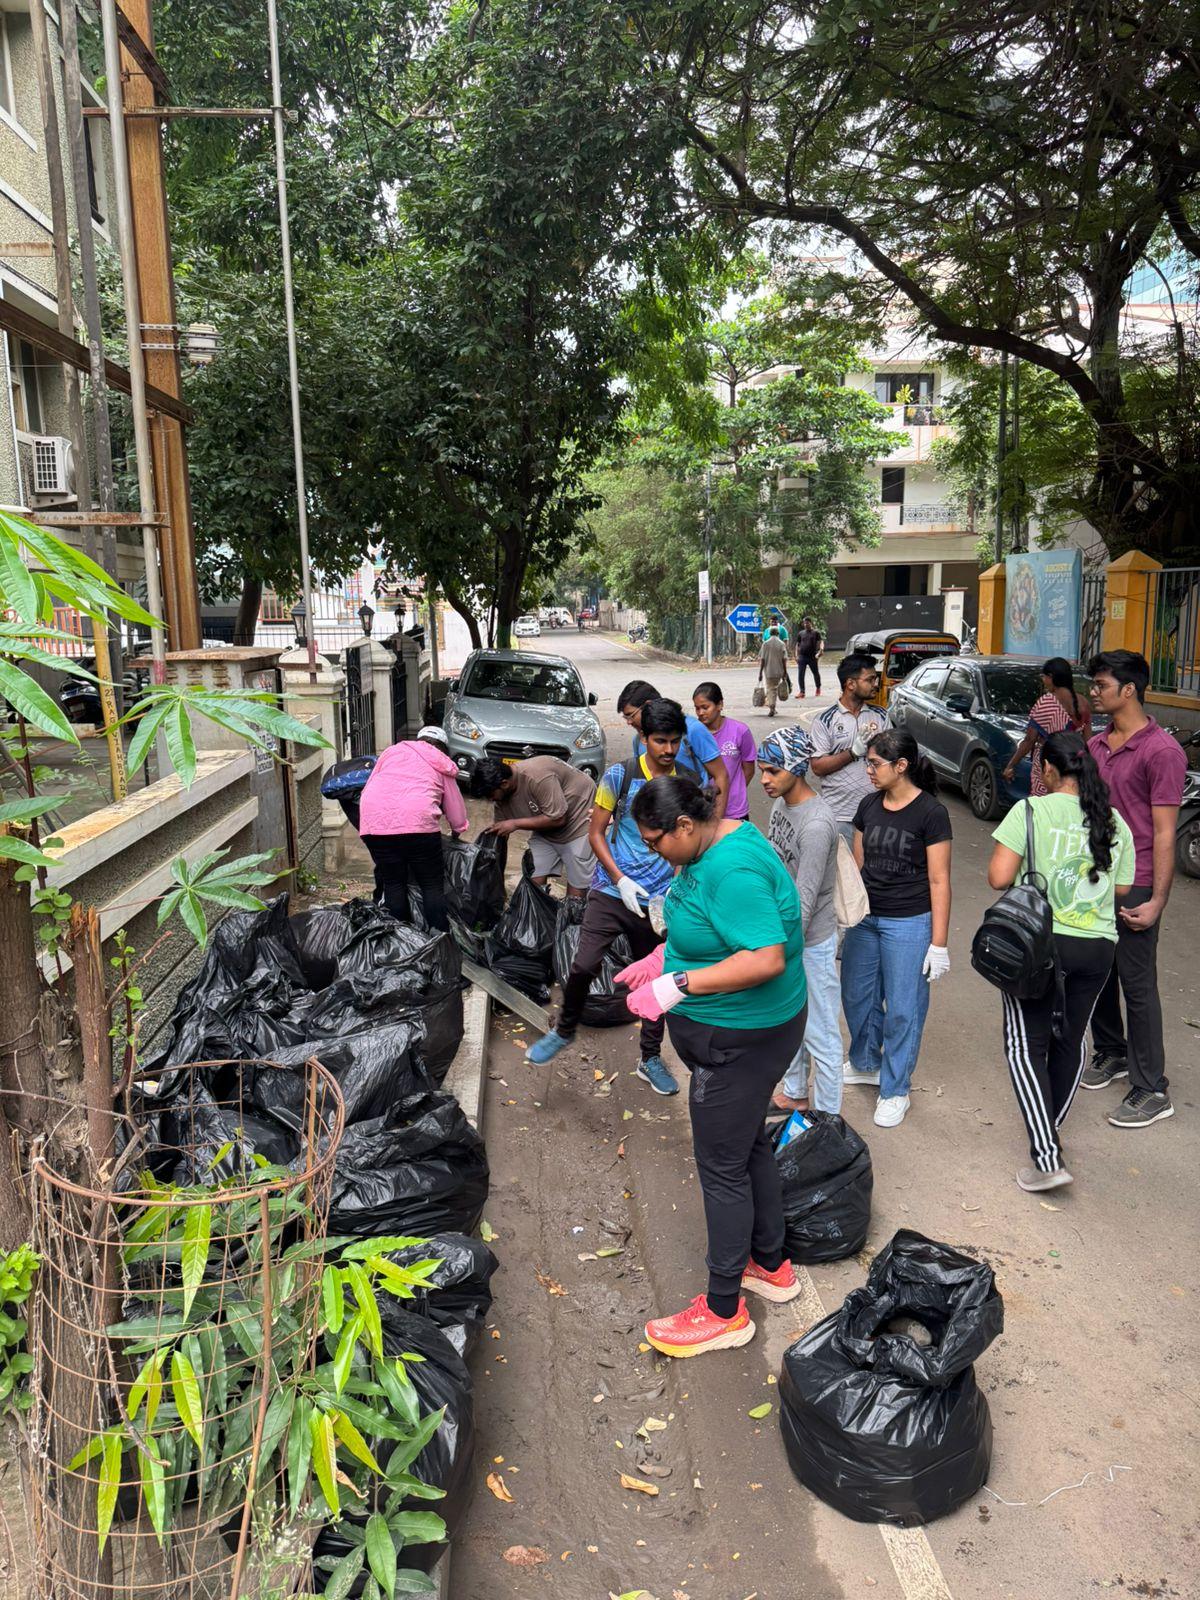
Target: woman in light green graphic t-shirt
[(1084, 853)]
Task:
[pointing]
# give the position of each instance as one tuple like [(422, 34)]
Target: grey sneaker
[(1035, 1182), (1140, 1108), (1102, 1071)]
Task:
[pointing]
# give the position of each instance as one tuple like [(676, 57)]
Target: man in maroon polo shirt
[(1144, 769)]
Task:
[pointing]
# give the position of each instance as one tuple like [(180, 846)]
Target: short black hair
[(636, 694), (1126, 666), (489, 775), (709, 691), (665, 717), (850, 666)]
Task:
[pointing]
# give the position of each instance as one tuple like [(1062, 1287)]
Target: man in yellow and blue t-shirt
[(628, 873)]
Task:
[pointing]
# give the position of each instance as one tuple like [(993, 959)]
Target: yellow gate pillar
[(993, 585), (1130, 591)]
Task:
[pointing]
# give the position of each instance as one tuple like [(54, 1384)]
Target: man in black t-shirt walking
[(809, 646)]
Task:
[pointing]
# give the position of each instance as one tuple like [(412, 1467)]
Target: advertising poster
[(1043, 603)]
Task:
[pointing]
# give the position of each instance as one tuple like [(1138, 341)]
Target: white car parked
[(528, 628)]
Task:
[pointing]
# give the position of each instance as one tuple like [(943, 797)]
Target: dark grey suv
[(968, 714)]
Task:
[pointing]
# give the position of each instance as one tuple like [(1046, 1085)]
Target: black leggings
[(404, 858), (734, 1071), (1045, 1070), (605, 918), (808, 664)]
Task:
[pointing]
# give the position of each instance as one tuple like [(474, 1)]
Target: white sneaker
[(851, 1074), (891, 1110)]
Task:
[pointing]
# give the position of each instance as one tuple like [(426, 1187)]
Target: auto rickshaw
[(898, 651)]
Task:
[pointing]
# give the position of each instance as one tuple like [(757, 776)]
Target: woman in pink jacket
[(411, 787)]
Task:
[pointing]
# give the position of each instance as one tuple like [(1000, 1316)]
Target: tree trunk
[(457, 603), (245, 624)]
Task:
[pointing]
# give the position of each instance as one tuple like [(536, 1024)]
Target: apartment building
[(37, 465)]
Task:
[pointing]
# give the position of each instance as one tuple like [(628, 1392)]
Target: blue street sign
[(774, 611), (744, 618)]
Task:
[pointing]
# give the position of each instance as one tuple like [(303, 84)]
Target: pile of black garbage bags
[(880, 1411), (379, 1004)]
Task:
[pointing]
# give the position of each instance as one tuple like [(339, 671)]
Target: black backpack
[(1014, 945)]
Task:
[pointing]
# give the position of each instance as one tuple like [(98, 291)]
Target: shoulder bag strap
[(1059, 1015)]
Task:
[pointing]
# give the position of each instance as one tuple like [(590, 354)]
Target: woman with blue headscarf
[(804, 832)]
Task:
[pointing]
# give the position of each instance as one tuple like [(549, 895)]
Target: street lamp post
[(300, 623), (366, 616)]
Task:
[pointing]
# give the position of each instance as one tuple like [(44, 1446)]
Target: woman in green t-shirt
[(731, 977), (1084, 853)]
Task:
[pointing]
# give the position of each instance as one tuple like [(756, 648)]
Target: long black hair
[(709, 691), (1058, 670), (897, 744), (661, 802), (1068, 755)]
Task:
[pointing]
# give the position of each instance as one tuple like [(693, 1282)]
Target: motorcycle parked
[(1187, 827), (80, 697), (638, 633)]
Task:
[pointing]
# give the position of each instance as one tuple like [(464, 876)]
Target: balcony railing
[(928, 514), (922, 414)]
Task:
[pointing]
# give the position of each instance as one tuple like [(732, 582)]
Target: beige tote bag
[(850, 903)]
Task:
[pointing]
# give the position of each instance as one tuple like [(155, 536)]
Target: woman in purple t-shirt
[(735, 742)]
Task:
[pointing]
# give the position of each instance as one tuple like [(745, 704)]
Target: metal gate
[(1091, 614), (399, 685), (360, 705)]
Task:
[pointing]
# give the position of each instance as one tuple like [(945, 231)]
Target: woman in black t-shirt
[(902, 846)]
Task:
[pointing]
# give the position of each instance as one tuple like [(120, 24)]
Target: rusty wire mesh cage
[(174, 1326)]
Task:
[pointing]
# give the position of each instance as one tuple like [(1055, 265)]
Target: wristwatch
[(681, 979)]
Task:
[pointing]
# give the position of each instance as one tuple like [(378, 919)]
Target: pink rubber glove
[(654, 999), (644, 971)]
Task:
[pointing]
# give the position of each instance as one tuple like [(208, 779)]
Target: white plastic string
[(1105, 1476)]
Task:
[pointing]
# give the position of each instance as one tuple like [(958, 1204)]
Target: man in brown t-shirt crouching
[(552, 801)]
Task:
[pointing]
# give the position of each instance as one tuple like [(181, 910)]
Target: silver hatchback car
[(513, 704)]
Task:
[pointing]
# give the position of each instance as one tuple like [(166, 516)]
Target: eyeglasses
[(875, 762), (656, 843)]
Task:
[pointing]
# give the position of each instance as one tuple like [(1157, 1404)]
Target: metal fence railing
[(1172, 642)]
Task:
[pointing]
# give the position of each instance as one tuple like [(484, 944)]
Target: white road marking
[(911, 1554)]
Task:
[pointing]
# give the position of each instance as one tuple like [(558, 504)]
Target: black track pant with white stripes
[(1045, 1071)]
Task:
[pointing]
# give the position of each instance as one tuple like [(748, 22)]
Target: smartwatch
[(681, 979)]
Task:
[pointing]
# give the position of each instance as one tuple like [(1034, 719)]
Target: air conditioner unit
[(52, 464)]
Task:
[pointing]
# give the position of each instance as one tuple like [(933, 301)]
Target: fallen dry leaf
[(524, 1555), (551, 1285), (587, 1255), (1046, 1206), (598, 1076), (498, 1487), (680, 1594), (621, 1151), (643, 1346), (654, 1425), (610, 1250), (972, 1208), (566, 1555), (639, 1484)]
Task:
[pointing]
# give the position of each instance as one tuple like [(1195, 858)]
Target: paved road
[(1096, 1367)]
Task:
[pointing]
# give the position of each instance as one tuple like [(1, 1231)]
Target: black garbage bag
[(354, 1004), (362, 938), (420, 1169), (605, 1005), (247, 998), (881, 1427), (374, 1068), (458, 1298), (474, 882), (520, 946), (440, 1379), (827, 1182)]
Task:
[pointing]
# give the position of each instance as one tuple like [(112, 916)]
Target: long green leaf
[(333, 1299), (367, 1305), (344, 1359), (143, 738), (381, 1554), (399, 1388), (418, 1527), (324, 1457), (341, 1580), (197, 1230), (25, 809), (377, 1247), (21, 850), (410, 1581), (181, 747), (354, 1442), (34, 704), (93, 1448), (406, 1453), (154, 1490), (299, 1452), (187, 1397), (18, 588), (110, 1484), (147, 1386)]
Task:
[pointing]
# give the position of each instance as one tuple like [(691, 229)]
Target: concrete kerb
[(465, 1081)]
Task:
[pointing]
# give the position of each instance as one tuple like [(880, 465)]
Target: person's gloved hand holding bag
[(638, 973), (936, 963), (629, 892), (656, 998)]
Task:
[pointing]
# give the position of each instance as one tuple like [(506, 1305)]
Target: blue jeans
[(884, 996), (822, 1047)]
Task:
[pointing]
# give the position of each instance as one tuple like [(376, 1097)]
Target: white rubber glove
[(859, 748), (936, 964), (629, 891)]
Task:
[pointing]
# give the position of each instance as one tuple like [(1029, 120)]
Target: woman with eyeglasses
[(902, 846), (730, 979)]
